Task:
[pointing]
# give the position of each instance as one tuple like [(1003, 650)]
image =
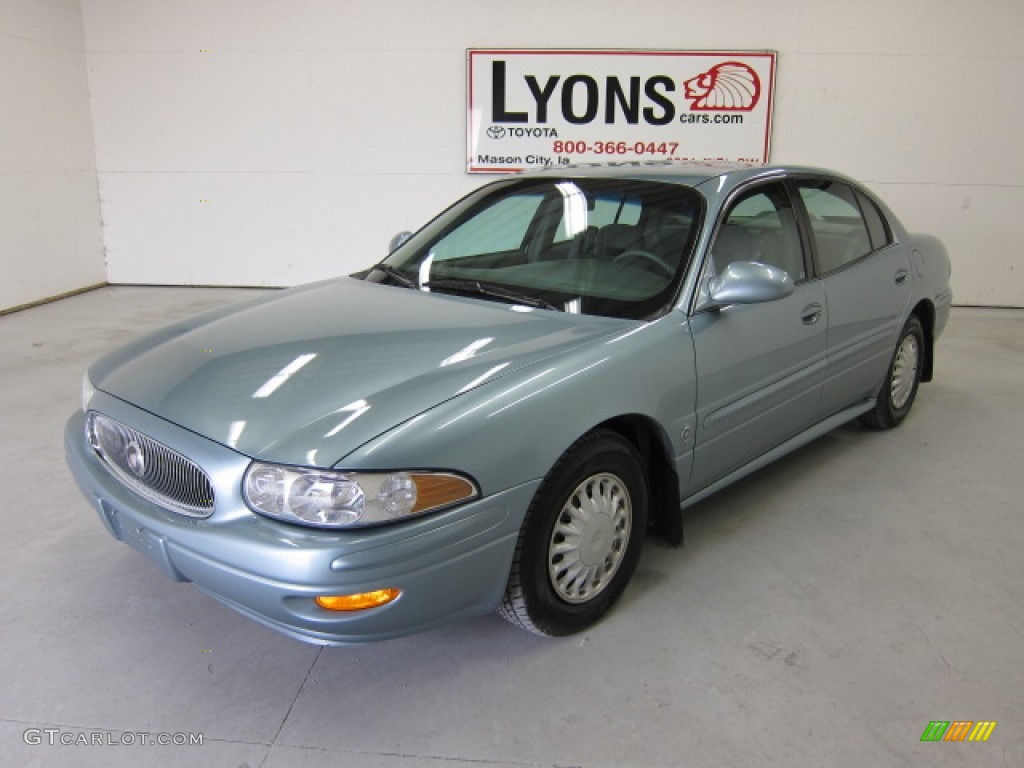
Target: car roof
[(688, 173)]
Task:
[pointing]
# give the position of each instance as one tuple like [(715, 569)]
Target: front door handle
[(811, 314)]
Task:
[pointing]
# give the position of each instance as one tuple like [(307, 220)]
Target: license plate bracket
[(150, 545)]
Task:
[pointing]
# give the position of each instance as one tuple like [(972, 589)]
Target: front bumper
[(448, 565)]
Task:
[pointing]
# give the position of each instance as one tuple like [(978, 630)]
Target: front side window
[(840, 233), (617, 248), (761, 226)]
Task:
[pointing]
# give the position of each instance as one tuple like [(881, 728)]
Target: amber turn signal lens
[(440, 490), (358, 602)]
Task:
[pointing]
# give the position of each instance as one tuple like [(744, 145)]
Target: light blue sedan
[(496, 415)]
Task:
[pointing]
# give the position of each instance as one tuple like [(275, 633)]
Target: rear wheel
[(581, 538), (900, 386)]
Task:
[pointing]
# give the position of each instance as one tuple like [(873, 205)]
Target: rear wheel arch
[(903, 375), (925, 312)]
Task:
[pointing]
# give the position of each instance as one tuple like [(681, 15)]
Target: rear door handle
[(811, 314), (901, 276)]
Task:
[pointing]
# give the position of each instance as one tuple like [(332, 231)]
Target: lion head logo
[(731, 85)]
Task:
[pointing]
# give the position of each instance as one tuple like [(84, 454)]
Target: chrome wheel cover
[(590, 537), (904, 371)]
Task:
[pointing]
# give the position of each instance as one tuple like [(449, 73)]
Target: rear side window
[(840, 232)]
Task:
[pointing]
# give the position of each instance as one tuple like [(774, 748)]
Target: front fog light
[(327, 498)]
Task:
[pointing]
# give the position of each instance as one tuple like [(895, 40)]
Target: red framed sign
[(540, 108)]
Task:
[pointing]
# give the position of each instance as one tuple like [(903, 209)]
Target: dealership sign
[(538, 108)]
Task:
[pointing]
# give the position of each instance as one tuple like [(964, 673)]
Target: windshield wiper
[(395, 274), (488, 289)]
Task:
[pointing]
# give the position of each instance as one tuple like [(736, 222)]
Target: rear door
[(760, 366), (867, 284)]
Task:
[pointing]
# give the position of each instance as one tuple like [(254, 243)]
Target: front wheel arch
[(665, 517)]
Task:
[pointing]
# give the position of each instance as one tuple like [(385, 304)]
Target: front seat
[(733, 243)]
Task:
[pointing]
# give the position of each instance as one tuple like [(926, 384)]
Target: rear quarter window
[(878, 227)]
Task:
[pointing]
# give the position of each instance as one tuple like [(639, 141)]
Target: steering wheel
[(647, 256)]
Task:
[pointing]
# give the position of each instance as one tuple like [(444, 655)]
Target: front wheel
[(900, 386), (581, 539)]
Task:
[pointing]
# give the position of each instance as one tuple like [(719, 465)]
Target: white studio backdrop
[(273, 142), (50, 240)]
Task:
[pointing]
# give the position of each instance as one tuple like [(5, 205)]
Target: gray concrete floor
[(822, 612)]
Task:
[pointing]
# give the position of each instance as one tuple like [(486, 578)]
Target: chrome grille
[(149, 468)]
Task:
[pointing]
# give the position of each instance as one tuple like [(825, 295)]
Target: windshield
[(611, 247)]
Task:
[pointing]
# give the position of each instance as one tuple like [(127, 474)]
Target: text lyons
[(581, 99)]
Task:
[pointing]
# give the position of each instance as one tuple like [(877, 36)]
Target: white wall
[(49, 210), (270, 142)]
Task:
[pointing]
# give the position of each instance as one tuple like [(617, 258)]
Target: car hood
[(310, 374)]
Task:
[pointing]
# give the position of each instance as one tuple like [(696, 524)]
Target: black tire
[(899, 389), (598, 487)]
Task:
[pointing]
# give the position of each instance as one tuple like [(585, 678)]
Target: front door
[(761, 366)]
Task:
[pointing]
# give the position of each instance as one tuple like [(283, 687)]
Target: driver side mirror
[(749, 282), (397, 241)]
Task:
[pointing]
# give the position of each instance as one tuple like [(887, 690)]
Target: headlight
[(88, 390), (330, 499)]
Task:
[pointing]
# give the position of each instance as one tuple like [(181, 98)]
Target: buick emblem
[(135, 459)]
